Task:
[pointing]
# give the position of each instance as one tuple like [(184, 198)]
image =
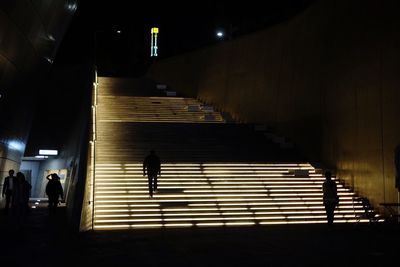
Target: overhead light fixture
[(48, 152), (220, 34)]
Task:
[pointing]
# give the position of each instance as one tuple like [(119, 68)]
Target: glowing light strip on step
[(244, 195), (267, 181), (219, 183), (209, 164), (227, 188), (190, 219), (128, 226), (178, 225), (202, 171), (116, 209), (206, 169), (221, 200), (338, 213), (221, 219), (229, 206), (291, 199), (275, 175), (179, 187), (210, 224), (212, 190), (256, 164)]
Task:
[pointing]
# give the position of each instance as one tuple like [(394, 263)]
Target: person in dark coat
[(152, 166), (54, 191), (8, 188), (330, 196), (20, 200)]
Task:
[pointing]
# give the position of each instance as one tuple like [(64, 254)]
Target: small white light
[(118, 31), (48, 152), (220, 34), (41, 157)]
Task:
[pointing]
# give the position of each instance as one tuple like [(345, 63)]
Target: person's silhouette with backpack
[(152, 166), (54, 190)]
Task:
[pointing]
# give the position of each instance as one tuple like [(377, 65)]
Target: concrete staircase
[(213, 173)]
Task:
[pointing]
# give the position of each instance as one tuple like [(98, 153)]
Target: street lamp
[(220, 34), (225, 33)]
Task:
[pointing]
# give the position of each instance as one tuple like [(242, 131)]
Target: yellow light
[(210, 224), (239, 223), (178, 225), (125, 210)]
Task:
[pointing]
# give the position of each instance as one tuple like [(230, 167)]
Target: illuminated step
[(165, 189), (232, 180), (205, 211), (182, 185), (211, 190), (223, 206), (213, 195), (219, 223), (210, 169), (250, 201), (216, 224), (209, 164), (194, 218), (193, 168), (269, 210)]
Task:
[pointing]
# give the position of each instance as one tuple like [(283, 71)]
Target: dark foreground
[(47, 241)]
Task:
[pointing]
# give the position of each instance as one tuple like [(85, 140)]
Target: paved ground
[(47, 241)]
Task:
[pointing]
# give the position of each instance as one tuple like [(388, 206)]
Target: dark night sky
[(184, 26)]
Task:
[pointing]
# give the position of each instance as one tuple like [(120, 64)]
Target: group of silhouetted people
[(17, 191)]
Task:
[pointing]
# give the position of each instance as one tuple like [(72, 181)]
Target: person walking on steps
[(152, 166), (330, 197)]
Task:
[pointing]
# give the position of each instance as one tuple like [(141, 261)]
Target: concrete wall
[(328, 79)]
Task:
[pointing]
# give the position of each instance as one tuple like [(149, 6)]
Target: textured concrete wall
[(328, 79)]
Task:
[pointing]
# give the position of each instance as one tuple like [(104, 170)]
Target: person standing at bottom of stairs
[(152, 166), (331, 199)]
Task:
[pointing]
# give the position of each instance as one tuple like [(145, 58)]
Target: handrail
[(93, 146), (88, 210)]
